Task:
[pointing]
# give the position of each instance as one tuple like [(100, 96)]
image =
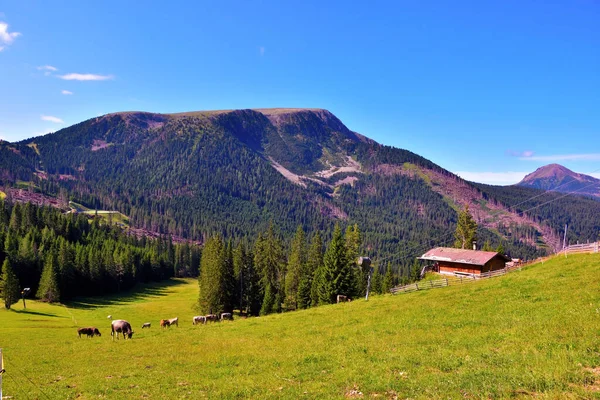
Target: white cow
[(199, 319)]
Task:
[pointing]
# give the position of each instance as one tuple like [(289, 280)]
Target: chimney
[(474, 245)]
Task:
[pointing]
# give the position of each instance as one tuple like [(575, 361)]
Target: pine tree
[(211, 280), (295, 269), (336, 276), (466, 229), (269, 260), (308, 286), (48, 289), (377, 281), (10, 285), (353, 242), (388, 280)]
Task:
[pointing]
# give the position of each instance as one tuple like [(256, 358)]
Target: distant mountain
[(233, 172), (557, 178)]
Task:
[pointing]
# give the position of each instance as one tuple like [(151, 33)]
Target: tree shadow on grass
[(25, 311), (140, 292)]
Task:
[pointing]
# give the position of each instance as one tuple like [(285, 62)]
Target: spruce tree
[(388, 280), (466, 229), (269, 260), (10, 285), (211, 280), (48, 289), (309, 283), (337, 275), (353, 242), (295, 269)]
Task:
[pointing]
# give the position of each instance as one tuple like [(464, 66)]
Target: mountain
[(557, 178), (235, 171)]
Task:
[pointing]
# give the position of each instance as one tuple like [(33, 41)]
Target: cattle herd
[(120, 326)]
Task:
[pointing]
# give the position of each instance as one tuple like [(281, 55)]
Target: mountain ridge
[(556, 177), (235, 171)]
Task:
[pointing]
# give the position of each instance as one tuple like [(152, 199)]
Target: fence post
[(1, 372)]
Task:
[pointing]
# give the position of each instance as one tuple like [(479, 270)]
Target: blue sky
[(489, 90)]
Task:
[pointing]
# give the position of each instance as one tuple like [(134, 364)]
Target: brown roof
[(463, 256)]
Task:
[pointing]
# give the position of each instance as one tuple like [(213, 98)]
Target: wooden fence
[(582, 248), (451, 280)]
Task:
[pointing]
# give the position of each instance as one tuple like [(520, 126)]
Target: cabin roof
[(462, 256)]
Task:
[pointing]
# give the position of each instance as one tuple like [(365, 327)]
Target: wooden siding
[(449, 267)]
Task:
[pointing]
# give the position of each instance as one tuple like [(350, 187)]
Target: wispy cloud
[(66, 92), (520, 154), (85, 77), (492, 178), (564, 157), (6, 37), (47, 68), (50, 118), (261, 50)]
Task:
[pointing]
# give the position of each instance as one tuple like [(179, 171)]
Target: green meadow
[(533, 333)]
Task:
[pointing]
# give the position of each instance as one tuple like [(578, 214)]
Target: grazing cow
[(121, 326), (146, 325), (227, 315), (341, 298), (90, 332), (174, 321), (199, 319), (164, 323), (212, 317)]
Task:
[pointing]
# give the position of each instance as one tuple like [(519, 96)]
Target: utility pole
[(565, 240), (369, 283)]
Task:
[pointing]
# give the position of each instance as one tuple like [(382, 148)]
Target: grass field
[(531, 333)]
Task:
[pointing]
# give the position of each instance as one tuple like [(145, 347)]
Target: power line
[(13, 366), (415, 247)]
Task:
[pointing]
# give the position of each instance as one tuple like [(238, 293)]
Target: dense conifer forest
[(205, 174)]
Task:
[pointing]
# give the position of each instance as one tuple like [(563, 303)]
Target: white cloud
[(85, 77), (7, 37), (261, 50), (564, 157), (47, 68), (521, 154), (50, 118), (66, 92), (493, 178), (594, 174)]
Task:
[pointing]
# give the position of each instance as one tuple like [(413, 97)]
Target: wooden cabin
[(451, 261)]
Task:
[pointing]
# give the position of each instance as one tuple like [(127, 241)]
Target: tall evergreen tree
[(388, 279), (48, 289), (10, 285), (309, 283), (269, 260), (211, 281), (337, 275), (466, 228), (295, 269)]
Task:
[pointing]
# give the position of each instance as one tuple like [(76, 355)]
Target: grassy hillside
[(530, 333)]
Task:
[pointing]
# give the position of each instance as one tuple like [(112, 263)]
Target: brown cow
[(164, 323), (90, 331)]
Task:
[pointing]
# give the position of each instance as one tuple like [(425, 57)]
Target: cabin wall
[(494, 264), (450, 268)]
